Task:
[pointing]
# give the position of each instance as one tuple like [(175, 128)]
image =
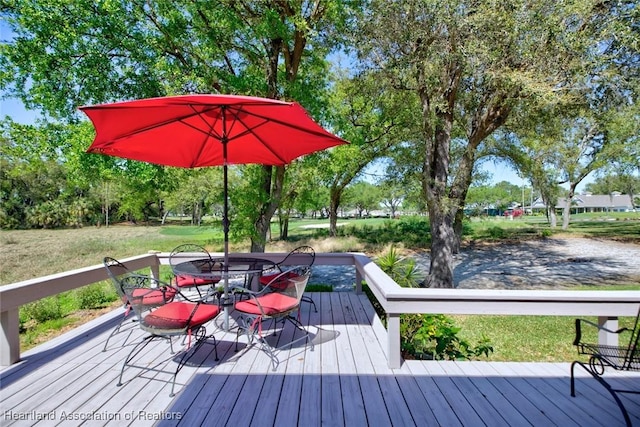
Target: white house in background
[(582, 203)]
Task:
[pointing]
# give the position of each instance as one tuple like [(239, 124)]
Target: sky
[(15, 109)]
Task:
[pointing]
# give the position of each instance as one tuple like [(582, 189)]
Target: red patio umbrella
[(194, 131)]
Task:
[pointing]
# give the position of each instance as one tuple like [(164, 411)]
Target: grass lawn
[(528, 338)]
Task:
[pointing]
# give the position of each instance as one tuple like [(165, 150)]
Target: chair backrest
[(291, 282), (187, 251), (302, 255), (146, 292), (121, 276), (117, 272)]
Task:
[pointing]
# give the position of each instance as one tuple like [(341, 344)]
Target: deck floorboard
[(342, 380)]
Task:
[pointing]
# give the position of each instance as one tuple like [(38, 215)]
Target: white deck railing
[(607, 305)]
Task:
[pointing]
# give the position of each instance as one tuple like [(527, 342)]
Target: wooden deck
[(343, 381)]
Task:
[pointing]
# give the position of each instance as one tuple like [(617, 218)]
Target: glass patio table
[(214, 268), (249, 268)]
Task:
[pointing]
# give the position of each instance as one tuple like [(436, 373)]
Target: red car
[(514, 212)]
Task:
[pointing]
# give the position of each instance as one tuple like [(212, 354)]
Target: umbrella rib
[(153, 126), (250, 130), (208, 134), (235, 111), (321, 132), (266, 120)]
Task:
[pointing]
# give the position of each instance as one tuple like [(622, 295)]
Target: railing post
[(605, 338), (393, 336), (155, 268), (358, 280), (9, 337)]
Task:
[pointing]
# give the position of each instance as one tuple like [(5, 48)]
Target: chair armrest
[(578, 338)]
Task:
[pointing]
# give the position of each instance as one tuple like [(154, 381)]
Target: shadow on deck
[(344, 380)]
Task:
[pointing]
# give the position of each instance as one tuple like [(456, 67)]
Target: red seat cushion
[(271, 304), (151, 296), (182, 281), (175, 315)]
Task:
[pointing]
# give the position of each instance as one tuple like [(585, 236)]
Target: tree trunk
[(566, 214), (459, 195), (283, 223), (553, 219), (442, 210), (334, 204), (457, 229), (268, 208), (442, 250), (566, 211), (107, 187), (161, 212), (284, 227)]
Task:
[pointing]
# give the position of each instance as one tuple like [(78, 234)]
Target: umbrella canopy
[(191, 131), (194, 131)]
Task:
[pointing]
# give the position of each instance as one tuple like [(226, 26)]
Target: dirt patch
[(553, 263)]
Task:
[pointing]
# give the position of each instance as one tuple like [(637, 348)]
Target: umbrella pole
[(225, 227), (225, 219)]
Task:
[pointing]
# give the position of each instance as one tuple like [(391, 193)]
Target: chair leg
[(133, 353), (244, 327), (238, 332), (115, 331), (118, 328), (301, 327), (271, 350), (606, 385), (310, 301), (200, 338)]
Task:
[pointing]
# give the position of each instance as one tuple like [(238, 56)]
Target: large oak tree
[(470, 64)]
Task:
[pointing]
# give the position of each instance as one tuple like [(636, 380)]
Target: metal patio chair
[(178, 318), (185, 281), (277, 301), (154, 298), (620, 358), (301, 256)]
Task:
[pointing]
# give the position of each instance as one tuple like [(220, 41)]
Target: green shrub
[(319, 288), (424, 336), (402, 270), (58, 213), (467, 228), (42, 310), (435, 337), (95, 296), (413, 232)]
